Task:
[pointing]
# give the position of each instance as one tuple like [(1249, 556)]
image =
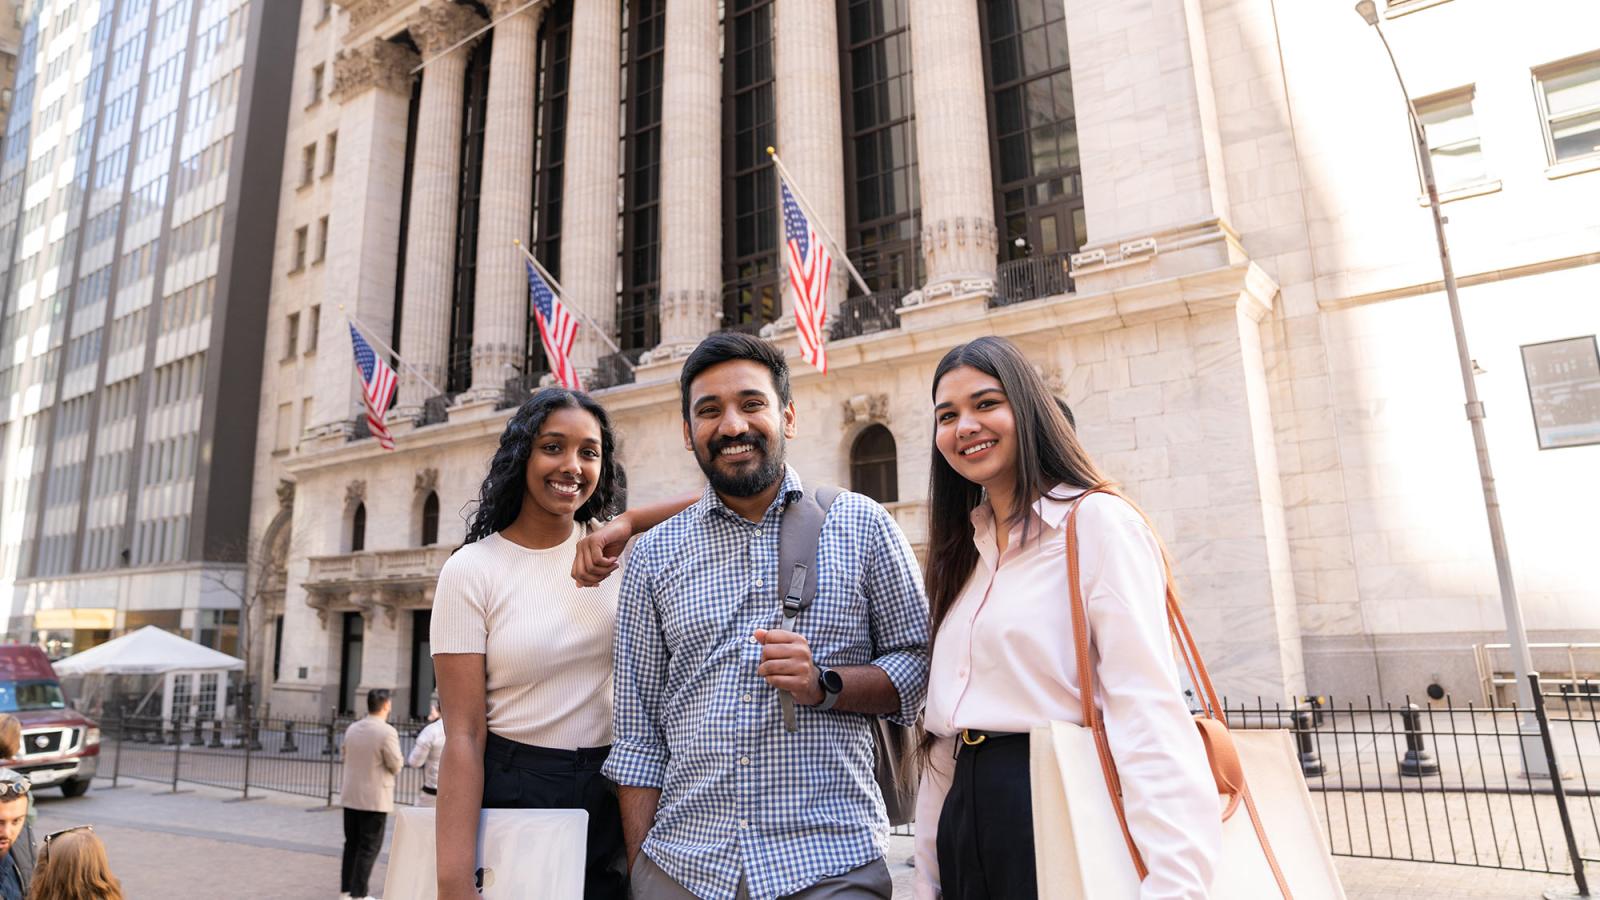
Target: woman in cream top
[(522, 626), (1007, 473)]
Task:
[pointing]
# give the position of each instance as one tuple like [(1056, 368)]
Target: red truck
[(60, 746)]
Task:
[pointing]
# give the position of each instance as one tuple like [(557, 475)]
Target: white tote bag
[(1272, 847), (523, 853)]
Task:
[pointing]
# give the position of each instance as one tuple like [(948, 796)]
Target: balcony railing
[(518, 388), (435, 410), (867, 314), (1031, 278)]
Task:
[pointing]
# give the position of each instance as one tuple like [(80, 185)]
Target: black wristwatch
[(832, 684)]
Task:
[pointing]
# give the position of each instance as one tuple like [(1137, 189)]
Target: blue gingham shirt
[(739, 795)]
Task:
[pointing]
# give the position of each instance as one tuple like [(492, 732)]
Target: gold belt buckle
[(967, 738)]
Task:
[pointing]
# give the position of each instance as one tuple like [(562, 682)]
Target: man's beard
[(751, 481)]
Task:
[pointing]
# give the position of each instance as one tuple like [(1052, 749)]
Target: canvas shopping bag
[(523, 852), (1272, 845)]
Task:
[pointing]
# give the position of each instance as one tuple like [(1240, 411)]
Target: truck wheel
[(75, 788)]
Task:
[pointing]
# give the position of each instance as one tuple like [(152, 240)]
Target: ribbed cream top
[(546, 642)]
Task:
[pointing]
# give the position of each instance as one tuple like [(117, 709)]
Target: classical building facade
[(1200, 218), (132, 297)]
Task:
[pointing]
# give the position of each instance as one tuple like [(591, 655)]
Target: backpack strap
[(798, 535)]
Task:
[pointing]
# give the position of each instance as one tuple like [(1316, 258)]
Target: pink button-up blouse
[(1004, 660)]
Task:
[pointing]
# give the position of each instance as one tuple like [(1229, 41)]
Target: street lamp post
[(1533, 757)]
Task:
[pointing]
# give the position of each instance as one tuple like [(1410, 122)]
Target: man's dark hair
[(376, 698), (728, 346)]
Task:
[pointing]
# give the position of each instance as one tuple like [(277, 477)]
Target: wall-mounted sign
[(1564, 387)]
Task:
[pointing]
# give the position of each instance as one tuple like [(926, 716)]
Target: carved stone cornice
[(377, 63), (438, 25), (285, 494), (866, 408), (355, 492), (500, 8), (427, 480), (364, 12)]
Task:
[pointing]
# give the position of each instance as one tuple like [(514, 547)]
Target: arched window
[(430, 519), (358, 528), (873, 470)]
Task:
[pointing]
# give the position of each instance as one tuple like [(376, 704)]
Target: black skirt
[(985, 840), (520, 776)]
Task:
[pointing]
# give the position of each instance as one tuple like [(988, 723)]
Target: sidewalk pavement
[(197, 844)]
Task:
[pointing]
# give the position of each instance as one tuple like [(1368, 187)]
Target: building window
[(308, 164), (1453, 143), (399, 307), (430, 519), (1032, 128), (882, 199), (638, 313), (475, 109), (291, 336), (322, 239), (1564, 388), (555, 49), (330, 154), (750, 293), (316, 85), (873, 467), (350, 653), (422, 682), (313, 328), (301, 239), (327, 11), (277, 647), (358, 528), (1569, 97)]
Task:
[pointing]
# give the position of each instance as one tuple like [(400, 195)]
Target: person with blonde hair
[(10, 736), (73, 866)]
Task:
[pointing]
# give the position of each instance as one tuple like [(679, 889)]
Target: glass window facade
[(638, 307), (750, 296), (1032, 128), (475, 110), (882, 202), (550, 147)]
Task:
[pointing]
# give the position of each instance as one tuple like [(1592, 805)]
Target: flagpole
[(367, 332), (556, 286), (816, 221)]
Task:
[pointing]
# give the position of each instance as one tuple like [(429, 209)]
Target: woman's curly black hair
[(500, 498)]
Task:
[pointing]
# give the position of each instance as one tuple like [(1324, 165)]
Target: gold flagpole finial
[(772, 151)]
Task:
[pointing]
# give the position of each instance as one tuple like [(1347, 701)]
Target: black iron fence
[(1437, 783), (867, 314), (1032, 277)]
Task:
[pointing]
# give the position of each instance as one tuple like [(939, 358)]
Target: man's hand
[(600, 552), (786, 665)]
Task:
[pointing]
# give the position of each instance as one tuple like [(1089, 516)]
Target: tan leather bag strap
[(1224, 758)]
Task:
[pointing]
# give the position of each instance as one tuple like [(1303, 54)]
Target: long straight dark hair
[(1048, 454)]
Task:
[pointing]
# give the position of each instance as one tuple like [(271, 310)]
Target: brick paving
[(198, 844)]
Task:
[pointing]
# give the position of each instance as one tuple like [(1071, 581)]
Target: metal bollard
[(216, 735), (1310, 761), (174, 735), (288, 745), (199, 739), (1418, 760)]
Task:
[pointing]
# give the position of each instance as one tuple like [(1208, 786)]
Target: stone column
[(958, 232), (372, 85), (810, 131), (691, 179), (500, 305), (435, 191), (589, 207)]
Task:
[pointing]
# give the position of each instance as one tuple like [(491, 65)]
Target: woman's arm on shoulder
[(461, 679), (600, 551)]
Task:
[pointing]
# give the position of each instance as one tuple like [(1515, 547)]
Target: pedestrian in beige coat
[(371, 757)]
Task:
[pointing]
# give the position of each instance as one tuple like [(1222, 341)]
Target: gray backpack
[(797, 565)]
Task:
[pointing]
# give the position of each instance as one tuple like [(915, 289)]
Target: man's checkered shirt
[(739, 795)]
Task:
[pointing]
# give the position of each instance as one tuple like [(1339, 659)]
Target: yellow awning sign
[(75, 619)]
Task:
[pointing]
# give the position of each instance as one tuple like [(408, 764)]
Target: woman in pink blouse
[(1007, 471)]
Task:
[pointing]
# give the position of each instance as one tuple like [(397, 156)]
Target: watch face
[(832, 681)]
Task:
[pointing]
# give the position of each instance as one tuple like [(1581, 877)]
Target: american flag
[(810, 264), (378, 384), (557, 328)]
